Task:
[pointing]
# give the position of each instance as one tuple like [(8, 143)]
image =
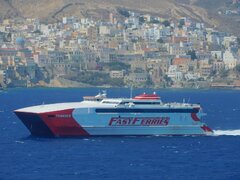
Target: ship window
[(141, 102), (146, 102), (51, 116), (110, 102), (124, 102)]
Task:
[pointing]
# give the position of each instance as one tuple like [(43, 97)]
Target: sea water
[(23, 156)]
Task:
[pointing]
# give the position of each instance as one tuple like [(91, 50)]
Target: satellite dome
[(20, 41)]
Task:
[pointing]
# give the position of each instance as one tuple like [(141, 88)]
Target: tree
[(149, 82), (166, 23), (98, 59), (37, 31), (223, 73), (123, 12), (114, 66), (160, 40), (92, 78), (116, 82), (168, 81), (238, 68), (138, 70), (141, 20), (238, 41), (211, 61), (181, 23), (155, 21), (134, 40), (213, 73), (192, 53)]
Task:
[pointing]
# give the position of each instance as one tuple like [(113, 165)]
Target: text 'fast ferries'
[(139, 121)]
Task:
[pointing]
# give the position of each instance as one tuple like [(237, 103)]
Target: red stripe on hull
[(62, 123), (147, 96), (206, 128), (195, 117)]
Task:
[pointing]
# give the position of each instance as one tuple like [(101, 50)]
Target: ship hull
[(90, 122), (34, 124)]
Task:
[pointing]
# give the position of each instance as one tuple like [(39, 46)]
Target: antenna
[(104, 92), (131, 89)]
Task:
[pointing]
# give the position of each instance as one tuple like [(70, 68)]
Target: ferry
[(144, 114)]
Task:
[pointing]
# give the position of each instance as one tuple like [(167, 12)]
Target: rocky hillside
[(201, 10)]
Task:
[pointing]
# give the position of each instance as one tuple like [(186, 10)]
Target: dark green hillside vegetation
[(97, 79)]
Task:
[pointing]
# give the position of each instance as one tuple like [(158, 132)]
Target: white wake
[(235, 132)]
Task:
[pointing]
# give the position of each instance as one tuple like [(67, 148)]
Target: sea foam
[(235, 132)]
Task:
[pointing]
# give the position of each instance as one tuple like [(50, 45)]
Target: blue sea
[(23, 156)]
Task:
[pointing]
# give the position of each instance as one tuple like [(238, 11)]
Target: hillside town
[(125, 49)]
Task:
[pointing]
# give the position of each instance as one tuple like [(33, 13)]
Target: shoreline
[(125, 87)]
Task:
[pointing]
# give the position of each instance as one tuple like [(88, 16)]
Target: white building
[(174, 73), (116, 74), (45, 29), (216, 54), (132, 22), (69, 20), (229, 60), (2, 77), (179, 49), (191, 76), (152, 33), (104, 30), (228, 40)]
